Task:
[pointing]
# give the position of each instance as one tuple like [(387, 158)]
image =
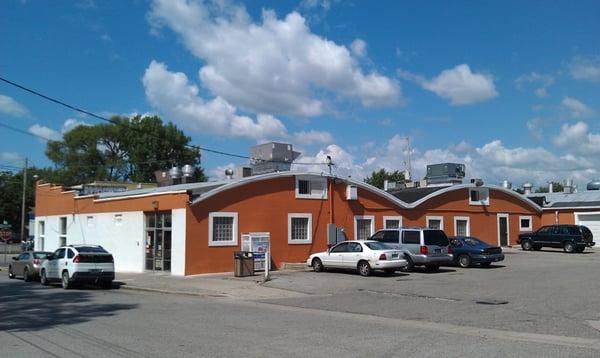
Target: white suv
[(78, 263)]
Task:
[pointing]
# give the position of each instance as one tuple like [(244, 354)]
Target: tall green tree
[(11, 191), (129, 149), (556, 187), (379, 176)]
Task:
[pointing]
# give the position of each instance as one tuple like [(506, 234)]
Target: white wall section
[(178, 236)]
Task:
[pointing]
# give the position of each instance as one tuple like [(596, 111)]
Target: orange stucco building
[(195, 228)]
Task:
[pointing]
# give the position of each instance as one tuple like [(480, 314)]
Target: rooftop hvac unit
[(188, 171)]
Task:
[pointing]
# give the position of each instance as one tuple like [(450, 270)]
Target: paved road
[(38, 321)]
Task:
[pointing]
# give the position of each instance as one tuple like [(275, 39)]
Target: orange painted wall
[(264, 206), (565, 216), (51, 200)]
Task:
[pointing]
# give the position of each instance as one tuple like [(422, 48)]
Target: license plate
[(94, 270), (438, 251)]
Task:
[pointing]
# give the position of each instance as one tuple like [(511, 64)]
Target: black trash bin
[(243, 264)]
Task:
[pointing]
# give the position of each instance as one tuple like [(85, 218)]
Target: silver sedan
[(27, 265)]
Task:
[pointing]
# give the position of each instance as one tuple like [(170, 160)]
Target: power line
[(77, 109)]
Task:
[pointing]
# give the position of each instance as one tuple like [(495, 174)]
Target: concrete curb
[(171, 292)]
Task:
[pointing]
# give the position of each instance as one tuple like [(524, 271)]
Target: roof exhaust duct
[(568, 186), (527, 188), (506, 184)]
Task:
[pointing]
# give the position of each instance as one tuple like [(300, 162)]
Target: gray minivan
[(421, 246)]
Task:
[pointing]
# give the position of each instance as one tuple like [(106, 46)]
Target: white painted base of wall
[(123, 238)]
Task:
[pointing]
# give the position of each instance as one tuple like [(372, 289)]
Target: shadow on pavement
[(31, 307)]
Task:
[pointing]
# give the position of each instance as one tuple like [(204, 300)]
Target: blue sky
[(509, 88)]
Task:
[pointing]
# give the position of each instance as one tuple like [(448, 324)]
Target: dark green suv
[(572, 238)]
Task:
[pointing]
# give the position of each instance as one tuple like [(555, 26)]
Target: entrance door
[(158, 241), (503, 229)]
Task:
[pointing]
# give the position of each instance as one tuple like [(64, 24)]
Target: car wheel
[(464, 261), (364, 269), (317, 265), (526, 245), (26, 276), (11, 275), (486, 264), (43, 278), (409, 265), (432, 268), (66, 282), (569, 247)]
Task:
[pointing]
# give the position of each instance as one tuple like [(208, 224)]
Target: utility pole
[(23, 202), (408, 163)]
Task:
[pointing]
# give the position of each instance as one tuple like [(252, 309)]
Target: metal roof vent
[(594, 185), (188, 171), (527, 188), (175, 173), (506, 184)]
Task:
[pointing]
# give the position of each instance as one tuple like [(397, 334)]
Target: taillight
[(76, 259), (382, 257), (36, 261), (112, 259), (449, 249), (424, 250)]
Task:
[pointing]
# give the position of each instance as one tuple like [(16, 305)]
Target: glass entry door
[(158, 241)]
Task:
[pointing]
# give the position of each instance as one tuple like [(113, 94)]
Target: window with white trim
[(364, 226), (479, 196), (311, 188), (299, 228), (435, 222), (525, 223), (222, 229), (62, 231), (392, 222), (462, 226), (41, 235)]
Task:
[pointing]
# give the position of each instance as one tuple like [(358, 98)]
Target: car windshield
[(435, 237), (471, 241), (91, 249), (378, 246), (40, 255)]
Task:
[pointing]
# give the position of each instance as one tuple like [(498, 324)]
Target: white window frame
[(363, 217), (41, 234), (310, 179), (526, 217), (234, 240), (62, 237), (386, 218), (309, 231), (440, 218), (464, 218), (485, 191)]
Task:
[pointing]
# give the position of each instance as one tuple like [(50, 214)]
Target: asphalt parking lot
[(542, 292)]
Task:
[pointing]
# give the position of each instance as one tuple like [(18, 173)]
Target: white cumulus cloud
[(541, 81), (576, 108), (45, 132), (271, 66), (461, 86), (587, 69), (11, 107)]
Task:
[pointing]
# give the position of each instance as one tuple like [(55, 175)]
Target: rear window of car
[(435, 237), (378, 246), (91, 249)]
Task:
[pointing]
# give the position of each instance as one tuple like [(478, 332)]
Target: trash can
[(243, 264)]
